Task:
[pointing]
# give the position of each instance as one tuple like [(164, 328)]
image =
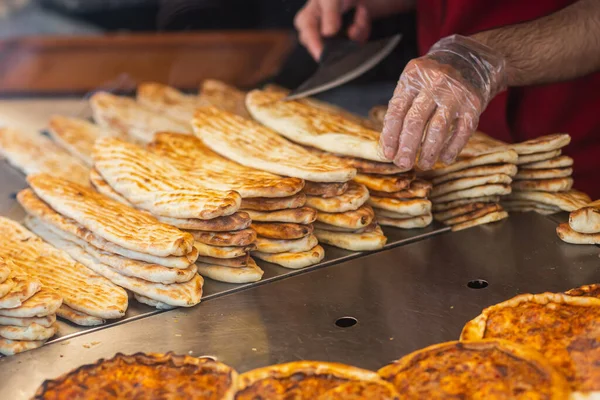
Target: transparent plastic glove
[(438, 100)]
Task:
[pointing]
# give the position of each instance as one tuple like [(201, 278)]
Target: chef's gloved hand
[(322, 18), (438, 100)]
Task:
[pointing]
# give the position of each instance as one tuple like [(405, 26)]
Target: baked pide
[(298, 380), (564, 329), (482, 369), (142, 376), (360, 390)]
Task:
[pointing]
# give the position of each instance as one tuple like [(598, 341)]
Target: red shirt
[(524, 113)]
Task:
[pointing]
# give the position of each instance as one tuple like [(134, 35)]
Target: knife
[(343, 60)]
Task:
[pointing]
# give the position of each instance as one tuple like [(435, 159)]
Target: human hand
[(438, 100), (322, 18)]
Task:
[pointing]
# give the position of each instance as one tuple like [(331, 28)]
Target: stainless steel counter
[(402, 299)]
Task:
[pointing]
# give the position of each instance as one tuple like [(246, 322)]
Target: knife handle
[(336, 46)]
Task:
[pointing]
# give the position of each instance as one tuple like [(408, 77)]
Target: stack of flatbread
[(33, 153), (583, 226), (178, 195), (467, 192), (88, 298), (130, 248), (27, 311), (283, 224), (344, 219), (543, 174)]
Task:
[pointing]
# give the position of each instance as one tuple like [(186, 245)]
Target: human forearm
[(559, 47)]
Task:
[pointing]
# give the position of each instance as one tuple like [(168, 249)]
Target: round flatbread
[(24, 289), (541, 144), (562, 328), (366, 241), (482, 369), (472, 215), (30, 332), (77, 317), (484, 170), (413, 207), (43, 303), (359, 390), (355, 196), (466, 183), (475, 192), (281, 230), (233, 222), (460, 210), (46, 321), (159, 305), (485, 219), (437, 207), (298, 380), (293, 260), (568, 235), (586, 219), (406, 223), (369, 228), (4, 271), (418, 189), (543, 185), (273, 204), (302, 215), (543, 173), (325, 189), (119, 377), (274, 246), (556, 162), (206, 250), (536, 157), (247, 274), (350, 220), (242, 237), (11, 347), (240, 261), (386, 183), (7, 286)]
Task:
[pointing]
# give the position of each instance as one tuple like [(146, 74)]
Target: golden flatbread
[(556, 162), (236, 262), (77, 136), (476, 369), (131, 119), (70, 230), (167, 100), (281, 230), (4, 271), (184, 294), (563, 328), (25, 287), (421, 221), (386, 183), (537, 157), (298, 380), (274, 204), (104, 188), (542, 144), (198, 161), (372, 390), (293, 260), (253, 145), (43, 303), (234, 222), (207, 250), (418, 189), (437, 207), (474, 192), (151, 183), (242, 237), (46, 321), (30, 332), (499, 157), (479, 143), (325, 189), (79, 287), (414, 207), (467, 183), (223, 96), (152, 303), (247, 274), (567, 201), (543, 173), (462, 210), (366, 241), (353, 199), (313, 126), (567, 234), (274, 246), (486, 219), (539, 210), (109, 219), (543, 185), (12, 347), (586, 219), (77, 317), (351, 220), (369, 228), (7, 286), (302, 215), (123, 265), (472, 215), (485, 170), (32, 153)]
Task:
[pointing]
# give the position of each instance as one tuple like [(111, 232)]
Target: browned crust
[(237, 221), (273, 204), (460, 210), (352, 220), (419, 188), (386, 183), (168, 360), (242, 237), (558, 389), (480, 212), (281, 230), (325, 189), (302, 215), (592, 290), (359, 390), (237, 262)]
